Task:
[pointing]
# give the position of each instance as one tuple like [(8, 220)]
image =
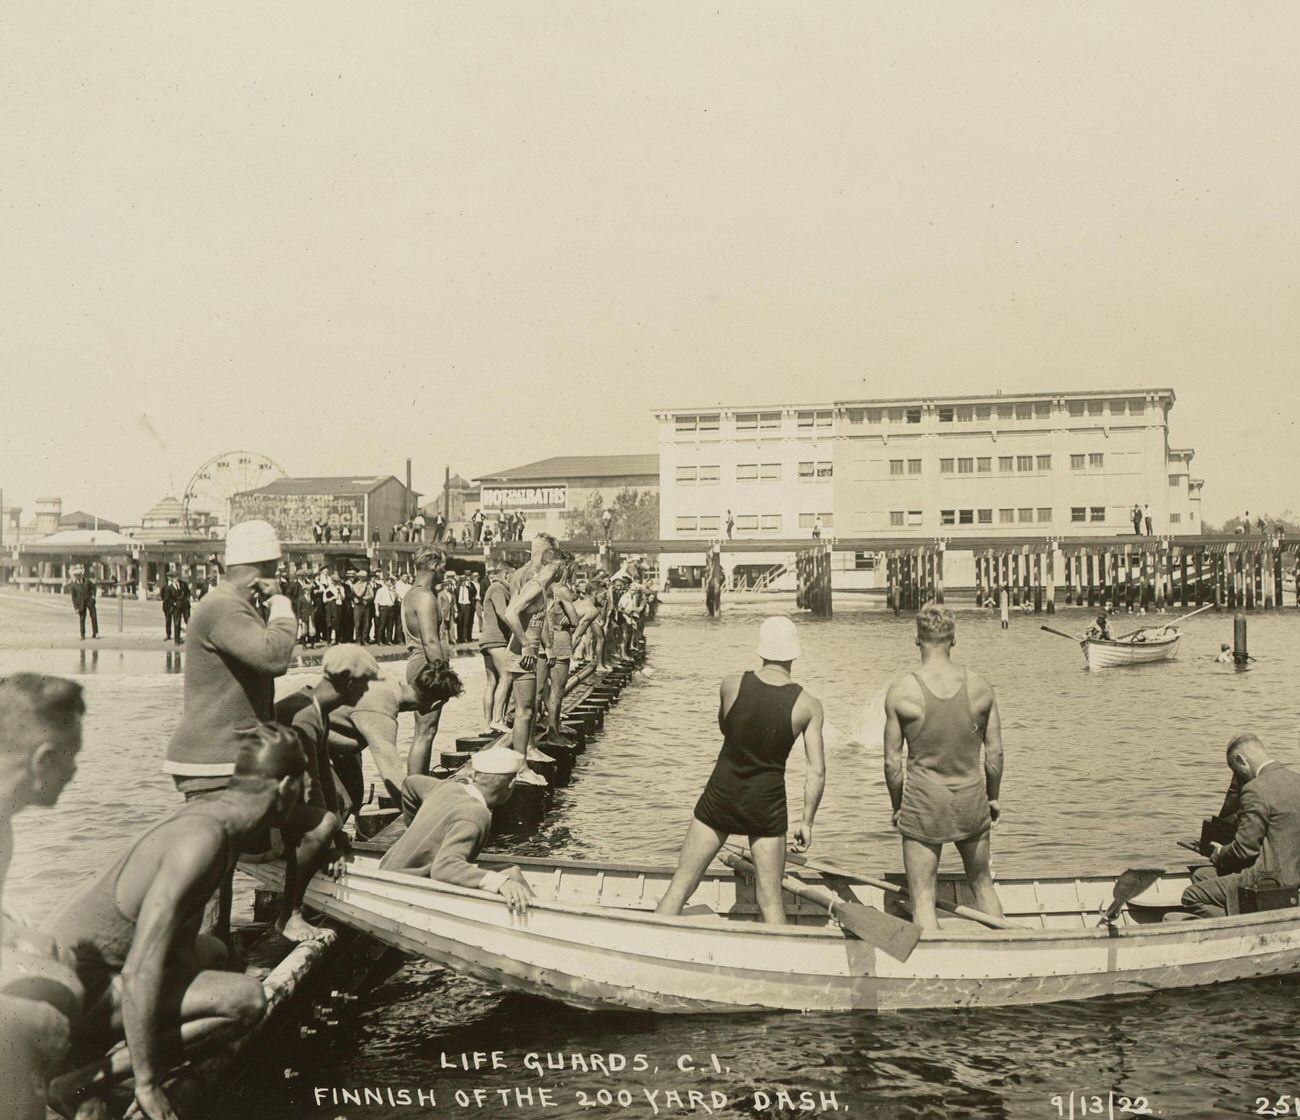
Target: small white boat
[(1142, 648), (593, 940)]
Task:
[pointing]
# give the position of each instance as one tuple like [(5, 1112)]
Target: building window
[(1024, 411), (864, 561), (1175, 519), (1098, 513), (895, 466), (747, 521), (747, 472), (746, 421), (965, 412), (913, 415), (1136, 407), (1173, 480), (1042, 409), (895, 415), (965, 517), (896, 518), (818, 419), (686, 423), (945, 415), (914, 466), (1076, 462), (1006, 516), (771, 522), (947, 517), (1025, 514), (1078, 513), (769, 420), (986, 517), (1095, 408), (874, 415), (983, 412), (945, 466), (856, 415), (686, 475), (1044, 462), (710, 474), (825, 469), (1044, 513), (710, 524), (1005, 462), (1024, 462), (985, 464), (770, 472), (686, 524), (709, 423), (828, 520), (1096, 458), (965, 466), (1076, 408), (806, 520), (806, 472), (914, 517)]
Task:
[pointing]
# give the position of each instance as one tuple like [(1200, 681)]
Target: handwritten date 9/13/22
[(1108, 1105)]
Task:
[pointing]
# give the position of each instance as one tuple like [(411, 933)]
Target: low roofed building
[(366, 504)]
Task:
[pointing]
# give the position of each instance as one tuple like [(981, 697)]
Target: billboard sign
[(524, 497)]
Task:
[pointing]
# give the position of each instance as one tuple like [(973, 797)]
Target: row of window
[(983, 464), (813, 418), (752, 472), (751, 522), (1010, 410), (1006, 516)]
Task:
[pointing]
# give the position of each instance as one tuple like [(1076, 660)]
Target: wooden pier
[(813, 570)]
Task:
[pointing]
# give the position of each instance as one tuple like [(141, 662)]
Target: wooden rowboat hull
[(593, 941), (1108, 655)]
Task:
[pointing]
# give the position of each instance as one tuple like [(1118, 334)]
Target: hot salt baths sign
[(525, 497)]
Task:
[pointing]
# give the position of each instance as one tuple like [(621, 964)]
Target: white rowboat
[(1107, 654), (592, 940)]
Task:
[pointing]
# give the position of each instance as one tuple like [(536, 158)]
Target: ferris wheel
[(211, 487)]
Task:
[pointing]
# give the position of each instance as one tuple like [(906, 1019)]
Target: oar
[(970, 912), (1128, 886), (1159, 625), (890, 935), (1060, 633)]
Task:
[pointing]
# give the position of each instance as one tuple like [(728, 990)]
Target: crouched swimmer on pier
[(761, 714), (149, 975), (449, 822)]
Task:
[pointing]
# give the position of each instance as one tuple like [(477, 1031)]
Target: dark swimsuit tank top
[(951, 735), (746, 792)]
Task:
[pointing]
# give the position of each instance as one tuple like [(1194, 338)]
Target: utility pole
[(446, 493)]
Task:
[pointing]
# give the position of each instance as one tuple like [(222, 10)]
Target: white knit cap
[(251, 542), (497, 760), (777, 639)]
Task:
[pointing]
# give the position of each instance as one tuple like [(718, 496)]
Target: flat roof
[(330, 484), (578, 466), (928, 398)]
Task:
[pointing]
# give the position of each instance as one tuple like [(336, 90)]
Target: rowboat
[(592, 940), (1142, 648)]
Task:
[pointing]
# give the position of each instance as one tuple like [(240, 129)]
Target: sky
[(482, 234)]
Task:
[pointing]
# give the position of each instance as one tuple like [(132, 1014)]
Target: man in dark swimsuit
[(946, 714), (761, 714), (422, 627), (149, 975)]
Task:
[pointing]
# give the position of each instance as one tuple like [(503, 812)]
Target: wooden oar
[(1128, 886), (1060, 633), (827, 868), (1161, 625), (888, 934)]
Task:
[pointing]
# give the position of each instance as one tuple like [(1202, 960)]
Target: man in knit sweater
[(232, 660), (448, 823)]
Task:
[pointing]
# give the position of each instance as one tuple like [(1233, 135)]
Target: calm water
[(1103, 770)]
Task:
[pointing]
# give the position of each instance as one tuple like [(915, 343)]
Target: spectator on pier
[(385, 611), (607, 520), (363, 598), (1261, 525), (439, 528), (422, 626), (417, 527), (318, 531), (345, 533), (306, 605), (1146, 518), (731, 524), (476, 523), (1136, 514), (447, 610), (945, 714), (1266, 845), (175, 592), (817, 527), (449, 823), (503, 525), (466, 605), (149, 975), (329, 532), (40, 994), (83, 602), (761, 714)]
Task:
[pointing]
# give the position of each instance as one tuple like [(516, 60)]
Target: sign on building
[(525, 497)]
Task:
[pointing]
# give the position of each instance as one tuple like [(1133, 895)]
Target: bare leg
[(497, 715), (491, 679), (975, 856), (921, 862), (559, 677), (525, 686), (302, 861), (599, 640), (768, 854), (702, 843), (426, 727), (542, 677)]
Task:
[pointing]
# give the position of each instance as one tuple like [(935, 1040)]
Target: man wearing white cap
[(761, 714), (449, 821), (232, 660)]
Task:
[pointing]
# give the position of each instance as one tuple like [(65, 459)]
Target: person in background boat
[(422, 628), (1266, 845), (449, 822), (761, 714), (40, 994), (234, 659), (1100, 630), (947, 716), (492, 645), (150, 976)]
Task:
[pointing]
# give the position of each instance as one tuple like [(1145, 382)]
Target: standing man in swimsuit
[(149, 975), (948, 716), (492, 645), (761, 714), (562, 621), (422, 627)]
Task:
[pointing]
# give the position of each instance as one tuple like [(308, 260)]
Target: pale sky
[(481, 234)]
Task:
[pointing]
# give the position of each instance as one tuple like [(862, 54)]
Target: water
[(1102, 770)]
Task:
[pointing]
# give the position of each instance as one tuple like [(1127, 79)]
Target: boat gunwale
[(1113, 643)]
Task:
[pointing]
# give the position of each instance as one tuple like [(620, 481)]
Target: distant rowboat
[(592, 940), (1142, 648)]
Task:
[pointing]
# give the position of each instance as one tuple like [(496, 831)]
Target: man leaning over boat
[(449, 822), (1266, 846)]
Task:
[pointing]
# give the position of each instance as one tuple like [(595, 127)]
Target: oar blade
[(888, 934), (1128, 886)]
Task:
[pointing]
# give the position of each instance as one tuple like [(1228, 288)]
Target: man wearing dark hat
[(175, 596), (83, 602)]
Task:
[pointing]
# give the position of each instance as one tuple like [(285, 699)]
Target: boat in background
[(1141, 648)]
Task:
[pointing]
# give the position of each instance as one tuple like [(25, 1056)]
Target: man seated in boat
[(449, 822), (149, 975), (761, 715), (1100, 630), (1266, 844), (948, 717)]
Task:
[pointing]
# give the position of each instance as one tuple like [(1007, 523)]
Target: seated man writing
[(1266, 845), (149, 975), (449, 822)]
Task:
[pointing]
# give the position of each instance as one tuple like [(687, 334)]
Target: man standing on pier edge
[(83, 602)]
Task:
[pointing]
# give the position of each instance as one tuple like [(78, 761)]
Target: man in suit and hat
[(83, 602), (175, 604)]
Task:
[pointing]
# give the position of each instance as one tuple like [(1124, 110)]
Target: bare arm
[(727, 691), (426, 620), (814, 783), (527, 593), (380, 733), (589, 615), (993, 753), (894, 748)]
